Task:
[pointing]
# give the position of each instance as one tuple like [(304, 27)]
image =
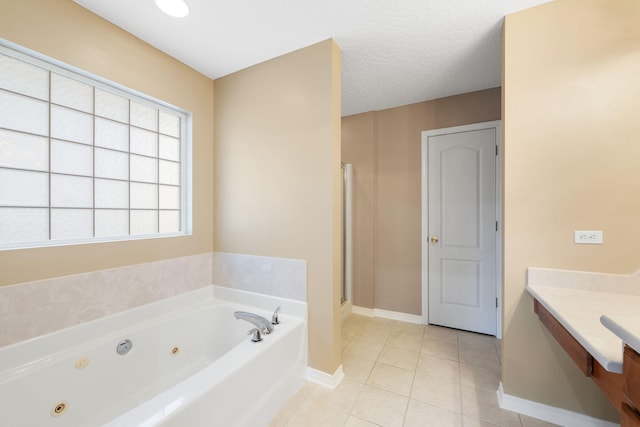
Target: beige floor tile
[(358, 422), (364, 347), (444, 369), (484, 358), (471, 339), (490, 351), (399, 357), (409, 328), (307, 388), (346, 340), (380, 407), (375, 334), (420, 414), (319, 418), (357, 368), (482, 378), (355, 320), (391, 378), (441, 334), (290, 408), (350, 331), (318, 411), (382, 323), (345, 394), (483, 405), (451, 377), (472, 422), (406, 340), (534, 422), (434, 347), (278, 422), (438, 392)]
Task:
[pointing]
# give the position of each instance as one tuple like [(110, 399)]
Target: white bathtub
[(191, 364)]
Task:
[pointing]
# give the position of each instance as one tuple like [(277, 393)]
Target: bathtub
[(190, 363)]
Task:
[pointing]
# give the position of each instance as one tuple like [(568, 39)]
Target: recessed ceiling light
[(175, 8)]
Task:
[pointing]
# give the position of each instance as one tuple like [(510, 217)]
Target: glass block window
[(83, 159)]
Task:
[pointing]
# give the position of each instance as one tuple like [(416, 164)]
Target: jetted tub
[(190, 363)]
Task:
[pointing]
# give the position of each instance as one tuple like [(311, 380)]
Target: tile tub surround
[(279, 277), (36, 308), (579, 299)]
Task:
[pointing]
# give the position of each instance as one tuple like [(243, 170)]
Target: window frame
[(52, 65)]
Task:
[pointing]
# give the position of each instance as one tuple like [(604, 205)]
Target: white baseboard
[(324, 379), (548, 413), (363, 311), (393, 315), (346, 309)]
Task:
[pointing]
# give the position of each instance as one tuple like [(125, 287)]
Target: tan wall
[(571, 102), (67, 32), (385, 148), (278, 180)]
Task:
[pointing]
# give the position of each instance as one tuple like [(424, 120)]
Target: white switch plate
[(588, 237)]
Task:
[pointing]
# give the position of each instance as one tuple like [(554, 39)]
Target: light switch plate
[(588, 237)]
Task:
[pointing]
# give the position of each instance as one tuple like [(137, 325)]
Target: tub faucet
[(274, 319), (259, 322)]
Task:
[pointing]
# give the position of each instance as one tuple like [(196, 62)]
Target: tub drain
[(175, 350), (58, 409)]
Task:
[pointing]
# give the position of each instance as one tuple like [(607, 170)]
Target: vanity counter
[(627, 327), (595, 318), (579, 312)]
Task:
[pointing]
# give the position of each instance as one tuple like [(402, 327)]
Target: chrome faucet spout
[(259, 322)]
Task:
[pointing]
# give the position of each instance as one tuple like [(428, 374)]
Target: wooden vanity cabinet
[(622, 390), (631, 388), (610, 383)]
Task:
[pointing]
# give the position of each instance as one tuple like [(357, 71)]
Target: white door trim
[(497, 125)]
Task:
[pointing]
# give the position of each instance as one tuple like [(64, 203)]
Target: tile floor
[(403, 374)]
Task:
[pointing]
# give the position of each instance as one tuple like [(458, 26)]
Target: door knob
[(434, 239)]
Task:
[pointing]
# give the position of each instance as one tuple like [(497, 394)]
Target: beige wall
[(385, 147), (571, 102), (67, 32), (277, 176)]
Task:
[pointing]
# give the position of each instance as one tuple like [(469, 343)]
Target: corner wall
[(384, 147), (67, 32), (571, 98), (278, 177)]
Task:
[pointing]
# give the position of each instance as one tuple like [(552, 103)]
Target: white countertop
[(626, 327), (580, 310)]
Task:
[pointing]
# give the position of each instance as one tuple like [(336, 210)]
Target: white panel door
[(462, 236)]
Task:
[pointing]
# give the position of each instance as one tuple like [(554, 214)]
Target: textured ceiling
[(394, 52)]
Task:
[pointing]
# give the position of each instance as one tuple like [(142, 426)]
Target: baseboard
[(324, 379), (393, 315), (346, 309), (363, 311), (548, 413)]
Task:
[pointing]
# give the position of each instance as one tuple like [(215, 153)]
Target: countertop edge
[(610, 365), (630, 338)]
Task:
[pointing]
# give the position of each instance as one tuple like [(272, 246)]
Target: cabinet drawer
[(631, 371)]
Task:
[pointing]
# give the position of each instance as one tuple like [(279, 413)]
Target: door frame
[(497, 125)]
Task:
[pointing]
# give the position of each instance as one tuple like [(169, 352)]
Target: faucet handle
[(255, 335), (274, 318)]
